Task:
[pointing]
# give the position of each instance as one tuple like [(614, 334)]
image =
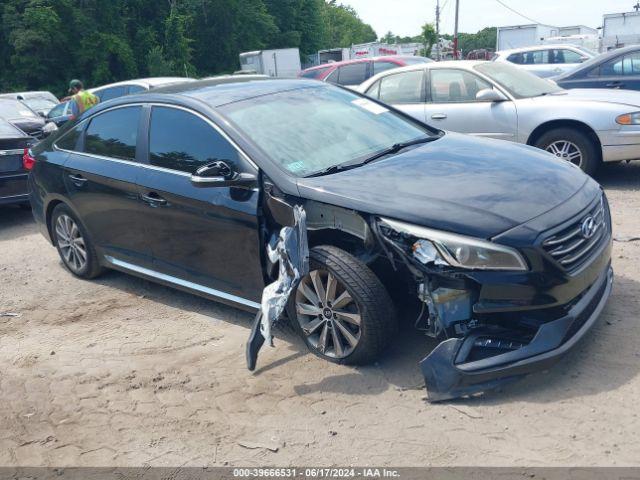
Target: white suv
[(546, 60)]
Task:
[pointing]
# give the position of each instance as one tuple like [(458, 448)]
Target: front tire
[(341, 309), (73, 243), (572, 145)]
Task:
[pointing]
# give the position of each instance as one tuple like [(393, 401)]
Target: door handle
[(615, 85), (439, 116), (78, 180), (153, 199)]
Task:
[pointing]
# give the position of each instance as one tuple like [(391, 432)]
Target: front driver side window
[(181, 141), (455, 86)]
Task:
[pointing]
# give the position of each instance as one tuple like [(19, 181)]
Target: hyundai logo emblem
[(589, 227)]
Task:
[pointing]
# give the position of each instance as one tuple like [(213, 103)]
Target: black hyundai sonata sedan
[(505, 248)]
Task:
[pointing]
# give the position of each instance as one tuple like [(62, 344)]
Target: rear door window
[(114, 133), (538, 57), (624, 65), (182, 141), (69, 141), (566, 56), (352, 74)]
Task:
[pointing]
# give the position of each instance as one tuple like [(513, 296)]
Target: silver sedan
[(498, 100)]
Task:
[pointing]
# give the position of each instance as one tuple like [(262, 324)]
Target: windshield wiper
[(395, 148)]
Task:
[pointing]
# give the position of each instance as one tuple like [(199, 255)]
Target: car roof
[(534, 48), (467, 64), (220, 91), (31, 94), (145, 82), (359, 60)]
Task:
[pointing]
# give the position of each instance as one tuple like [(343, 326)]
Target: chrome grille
[(571, 246)]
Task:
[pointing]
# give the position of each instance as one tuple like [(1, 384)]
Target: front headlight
[(629, 119), (458, 250)]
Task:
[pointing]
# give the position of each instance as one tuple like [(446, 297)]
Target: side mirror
[(490, 95), (220, 174)]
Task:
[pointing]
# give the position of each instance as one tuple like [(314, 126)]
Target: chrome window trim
[(183, 283), (146, 165)]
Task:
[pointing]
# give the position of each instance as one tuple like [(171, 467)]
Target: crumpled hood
[(462, 184), (608, 95)]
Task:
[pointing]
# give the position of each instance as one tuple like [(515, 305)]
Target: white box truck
[(620, 30), (283, 62), (518, 36)]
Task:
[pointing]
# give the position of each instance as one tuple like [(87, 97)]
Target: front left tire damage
[(341, 309)]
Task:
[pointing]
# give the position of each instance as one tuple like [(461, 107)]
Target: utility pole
[(438, 30), (456, 55)]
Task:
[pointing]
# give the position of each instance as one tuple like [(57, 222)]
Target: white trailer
[(620, 30), (284, 62), (377, 49), (518, 36)]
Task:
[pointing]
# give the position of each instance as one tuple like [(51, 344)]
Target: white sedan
[(546, 60), (498, 100)]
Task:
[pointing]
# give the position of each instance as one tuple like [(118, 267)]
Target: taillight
[(27, 159)]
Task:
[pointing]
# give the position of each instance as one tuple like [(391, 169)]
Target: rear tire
[(355, 319), (74, 245), (572, 145)]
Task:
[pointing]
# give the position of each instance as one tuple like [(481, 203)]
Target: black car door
[(206, 238), (100, 177)]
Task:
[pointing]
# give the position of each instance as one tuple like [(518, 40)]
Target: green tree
[(428, 38), (156, 63), (177, 45), (343, 27), (485, 38), (35, 46)]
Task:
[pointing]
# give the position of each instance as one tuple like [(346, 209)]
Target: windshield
[(12, 109), (518, 82), (310, 129)]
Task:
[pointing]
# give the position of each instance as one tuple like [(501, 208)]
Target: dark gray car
[(615, 69)]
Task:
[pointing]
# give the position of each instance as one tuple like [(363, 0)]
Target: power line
[(516, 12)]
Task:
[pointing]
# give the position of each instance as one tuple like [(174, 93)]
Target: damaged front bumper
[(460, 366)]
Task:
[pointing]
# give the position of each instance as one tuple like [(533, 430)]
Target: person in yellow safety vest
[(81, 100)]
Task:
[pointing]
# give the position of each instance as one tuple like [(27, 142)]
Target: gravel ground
[(123, 372)]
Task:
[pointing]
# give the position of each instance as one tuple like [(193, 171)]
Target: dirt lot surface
[(123, 372)]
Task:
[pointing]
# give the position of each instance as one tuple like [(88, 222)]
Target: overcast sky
[(404, 17)]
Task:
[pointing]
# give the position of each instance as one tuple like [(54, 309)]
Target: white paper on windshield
[(370, 106)]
